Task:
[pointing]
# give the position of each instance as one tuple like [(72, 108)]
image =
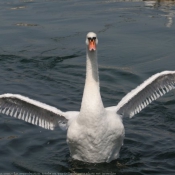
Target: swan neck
[(92, 67), (92, 108)]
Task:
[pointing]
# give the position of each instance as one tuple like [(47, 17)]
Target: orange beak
[(92, 45)]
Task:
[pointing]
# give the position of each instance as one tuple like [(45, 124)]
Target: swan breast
[(91, 144)]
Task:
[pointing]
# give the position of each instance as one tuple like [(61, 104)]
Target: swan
[(94, 134)]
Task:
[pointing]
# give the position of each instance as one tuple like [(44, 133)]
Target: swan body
[(94, 134)]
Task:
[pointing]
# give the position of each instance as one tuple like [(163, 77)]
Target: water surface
[(42, 56)]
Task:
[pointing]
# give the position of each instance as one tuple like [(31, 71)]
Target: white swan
[(95, 134)]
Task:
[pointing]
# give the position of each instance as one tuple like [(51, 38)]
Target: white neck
[(92, 105), (92, 68)]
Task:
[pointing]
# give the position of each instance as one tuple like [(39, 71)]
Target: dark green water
[(42, 56)]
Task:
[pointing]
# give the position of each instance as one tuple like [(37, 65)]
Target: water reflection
[(167, 7), (17, 8)]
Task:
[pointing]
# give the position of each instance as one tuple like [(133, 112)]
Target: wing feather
[(31, 111), (150, 90)]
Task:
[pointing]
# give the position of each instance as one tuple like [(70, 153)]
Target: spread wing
[(150, 90), (32, 111)]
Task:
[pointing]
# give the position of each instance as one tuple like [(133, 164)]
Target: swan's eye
[(93, 38)]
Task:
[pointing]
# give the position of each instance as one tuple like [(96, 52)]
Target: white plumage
[(95, 134)]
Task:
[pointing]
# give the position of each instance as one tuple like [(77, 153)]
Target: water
[(42, 56)]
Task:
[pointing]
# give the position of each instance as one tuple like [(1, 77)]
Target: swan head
[(91, 41)]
